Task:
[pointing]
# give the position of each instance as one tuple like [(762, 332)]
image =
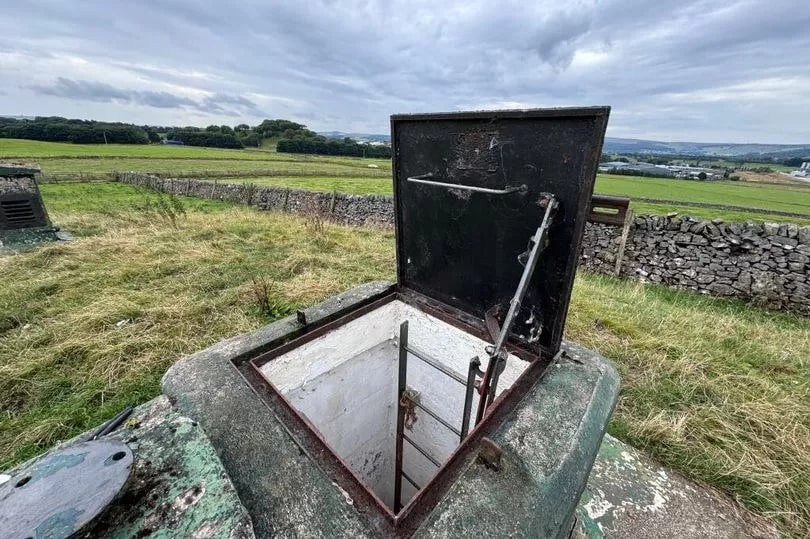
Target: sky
[(674, 70)]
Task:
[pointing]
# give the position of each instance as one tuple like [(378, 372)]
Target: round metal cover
[(61, 492)]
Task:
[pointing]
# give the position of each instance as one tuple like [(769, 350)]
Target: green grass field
[(713, 388), (754, 195), (60, 158), (353, 175), (172, 167), (32, 149), (730, 216)]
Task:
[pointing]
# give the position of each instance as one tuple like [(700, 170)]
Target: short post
[(628, 220), (401, 385), (332, 205)]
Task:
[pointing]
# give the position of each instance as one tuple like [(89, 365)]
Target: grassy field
[(353, 175), (36, 150), (716, 389), (174, 167), (646, 208), (769, 197), (59, 158)]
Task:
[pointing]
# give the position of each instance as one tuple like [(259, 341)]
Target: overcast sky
[(722, 71)]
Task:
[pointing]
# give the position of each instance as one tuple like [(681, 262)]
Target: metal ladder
[(405, 402)]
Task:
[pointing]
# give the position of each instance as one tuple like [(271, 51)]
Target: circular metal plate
[(64, 490)]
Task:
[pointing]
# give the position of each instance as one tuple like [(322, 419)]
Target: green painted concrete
[(177, 487), (630, 496)]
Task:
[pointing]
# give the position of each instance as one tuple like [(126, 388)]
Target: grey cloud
[(348, 64), (217, 101), (100, 92), (84, 90)]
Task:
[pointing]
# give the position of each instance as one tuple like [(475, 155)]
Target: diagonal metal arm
[(497, 356)]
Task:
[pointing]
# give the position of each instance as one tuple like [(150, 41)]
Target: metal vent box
[(20, 202)]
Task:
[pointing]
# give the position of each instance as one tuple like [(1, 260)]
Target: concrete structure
[(177, 486), (548, 439), (631, 497)]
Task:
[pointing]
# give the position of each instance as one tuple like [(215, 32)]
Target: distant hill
[(655, 147), (362, 137), (714, 149)]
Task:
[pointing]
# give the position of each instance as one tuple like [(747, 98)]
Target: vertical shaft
[(472, 372), (401, 384)]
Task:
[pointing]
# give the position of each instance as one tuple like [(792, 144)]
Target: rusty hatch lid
[(460, 246)]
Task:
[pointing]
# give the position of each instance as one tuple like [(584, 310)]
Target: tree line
[(56, 129), (292, 137), (330, 146)]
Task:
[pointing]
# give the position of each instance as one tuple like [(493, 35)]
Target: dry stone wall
[(768, 264), (357, 210)]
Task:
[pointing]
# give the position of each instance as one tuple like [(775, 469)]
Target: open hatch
[(392, 396)]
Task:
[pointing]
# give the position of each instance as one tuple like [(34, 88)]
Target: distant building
[(649, 169), (803, 172), (173, 142), (639, 168)]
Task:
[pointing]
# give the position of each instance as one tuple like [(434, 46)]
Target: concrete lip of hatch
[(342, 384)]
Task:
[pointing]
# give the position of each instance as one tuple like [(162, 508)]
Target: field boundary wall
[(767, 264)]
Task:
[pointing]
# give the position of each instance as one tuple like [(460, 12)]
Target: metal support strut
[(497, 354)]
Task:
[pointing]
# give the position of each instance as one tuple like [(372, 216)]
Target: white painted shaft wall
[(345, 383)]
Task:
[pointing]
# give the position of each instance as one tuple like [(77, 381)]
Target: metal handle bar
[(423, 178)]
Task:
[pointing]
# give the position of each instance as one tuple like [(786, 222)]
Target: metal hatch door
[(468, 189)]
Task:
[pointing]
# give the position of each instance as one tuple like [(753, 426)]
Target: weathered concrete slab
[(630, 496), (549, 442), (177, 487), (548, 445)]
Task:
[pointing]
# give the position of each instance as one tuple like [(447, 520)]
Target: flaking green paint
[(178, 485), (58, 462)]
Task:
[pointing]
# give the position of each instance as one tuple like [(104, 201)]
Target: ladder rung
[(436, 365), (424, 453), (411, 481), (434, 415)]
